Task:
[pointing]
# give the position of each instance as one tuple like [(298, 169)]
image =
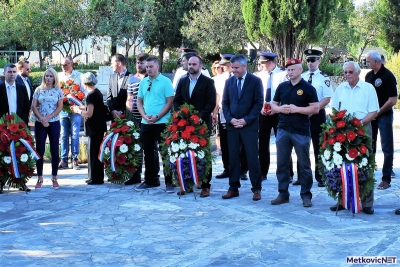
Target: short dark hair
[(200, 61), (153, 59), (20, 64), (120, 58), (142, 57), (242, 59), (9, 66)]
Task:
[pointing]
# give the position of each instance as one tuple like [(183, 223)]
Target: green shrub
[(394, 66), (36, 78), (331, 69), (3, 61)]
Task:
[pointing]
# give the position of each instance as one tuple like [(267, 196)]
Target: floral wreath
[(72, 94), (120, 150), (17, 154), (186, 150), (346, 161)]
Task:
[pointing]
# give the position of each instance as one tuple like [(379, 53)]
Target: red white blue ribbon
[(180, 169), (113, 151), (14, 163), (193, 166), (350, 190), (103, 146), (181, 173), (34, 154), (74, 99)]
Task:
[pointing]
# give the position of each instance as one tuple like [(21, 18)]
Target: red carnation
[(202, 142), (176, 115), (167, 140), (340, 138), (3, 127), (69, 82), (190, 129), (174, 128), (121, 159), (185, 110), (324, 145), (9, 117), (363, 149), (120, 141), (194, 139), (116, 130), (81, 95), (356, 122), (22, 125), (3, 146), (114, 176), (182, 123), (15, 137), (353, 153), (124, 128), (65, 99), (31, 171), (169, 128), (128, 140), (360, 132), (202, 130), (76, 87), (22, 168), (340, 114), (13, 127), (331, 141), (122, 116), (130, 168), (351, 135), (185, 135), (175, 136), (113, 124), (341, 124), (195, 119), (176, 121), (331, 131), (23, 134)]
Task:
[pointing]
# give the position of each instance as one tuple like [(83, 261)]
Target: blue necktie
[(239, 86), (269, 85)]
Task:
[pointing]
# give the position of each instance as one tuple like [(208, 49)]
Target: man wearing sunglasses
[(321, 82)]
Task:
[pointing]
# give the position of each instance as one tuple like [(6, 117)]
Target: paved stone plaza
[(111, 225)]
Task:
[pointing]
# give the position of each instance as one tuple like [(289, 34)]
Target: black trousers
[(95, 166), (315, 128)]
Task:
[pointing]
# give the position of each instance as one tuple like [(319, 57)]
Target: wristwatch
[(157, 117)]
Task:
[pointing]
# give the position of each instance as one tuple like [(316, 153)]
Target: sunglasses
[(148, 89), (348, 72), (312, 60)]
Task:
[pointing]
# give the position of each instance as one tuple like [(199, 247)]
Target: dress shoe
[(1, 189), (94, 183), (24, 188), (230, 194), (224, 174), (263, 177), (87, 180), (279, 200), (133, 180), (182, 193), (257, 195), (297, 182), (307, 202), (321, 184), (368, 210), (243, 177), (334, 207), (205, 192), (397, 212)]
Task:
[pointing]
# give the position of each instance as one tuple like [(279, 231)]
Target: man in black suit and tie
[(242, 101), (13, 99), (198, 90), (24, 69)]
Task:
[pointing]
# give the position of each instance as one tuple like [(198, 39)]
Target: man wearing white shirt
[(24, 69), (358, 97)]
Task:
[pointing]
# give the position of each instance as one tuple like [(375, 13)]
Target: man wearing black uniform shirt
[(295, 100)]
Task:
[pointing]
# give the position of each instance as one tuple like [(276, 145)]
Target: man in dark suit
[(198, 90), (242, 101), (23, 69), (13, 99)]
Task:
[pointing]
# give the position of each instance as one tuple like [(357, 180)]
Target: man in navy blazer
[(23, 69), (242, 101), (198, 90)]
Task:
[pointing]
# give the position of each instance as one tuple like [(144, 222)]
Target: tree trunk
[(113, 46), (40, 59), (161, 50)]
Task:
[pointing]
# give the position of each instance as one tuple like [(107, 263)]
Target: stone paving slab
[(113, 225)]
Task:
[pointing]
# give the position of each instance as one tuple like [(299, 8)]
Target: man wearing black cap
[(322, 84), (271, 76), (295, 100)]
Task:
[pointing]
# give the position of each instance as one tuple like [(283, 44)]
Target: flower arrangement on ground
[(186, 148), (17, 153), (121, 150), (346, 160), (72, 94)]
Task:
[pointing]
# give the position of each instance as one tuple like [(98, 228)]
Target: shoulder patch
[(328, 83), (324, 74)]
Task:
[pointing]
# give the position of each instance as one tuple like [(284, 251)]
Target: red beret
[(292, 61)]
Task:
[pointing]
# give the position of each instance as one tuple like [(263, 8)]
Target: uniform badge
[(293, 62), (328, 83), (378, 82), (309, 51), (299, 92)]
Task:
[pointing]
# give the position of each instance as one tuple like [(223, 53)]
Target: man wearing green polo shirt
[(154, 102)]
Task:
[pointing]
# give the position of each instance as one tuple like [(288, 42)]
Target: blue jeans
[(384, 124), (70, 125)]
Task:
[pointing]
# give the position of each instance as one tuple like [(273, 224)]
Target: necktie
[(310, 79), (239, 86), (269, 85)]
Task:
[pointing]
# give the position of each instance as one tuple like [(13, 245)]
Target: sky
[(358, 2)]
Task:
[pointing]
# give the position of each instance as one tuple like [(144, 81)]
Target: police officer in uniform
[(322, 84)]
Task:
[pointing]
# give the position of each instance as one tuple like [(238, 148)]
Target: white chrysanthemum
[(176, 155), (136, 147), (136, 135), (7, 159), (182, 145), (327, 154), (200, 154), (169, 151), (323, 160), (24, 158), (337, 146), (338, 160), (193, 145), (123, 148), (174, 147), (364, 162), (329, 165), (106, 150), (129, 123), (348, 157), (182, 155), (172, 159)]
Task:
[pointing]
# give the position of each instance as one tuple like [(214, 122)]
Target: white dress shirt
[(12, 97), (321, 83)]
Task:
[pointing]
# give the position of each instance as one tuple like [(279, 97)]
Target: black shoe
[(224, 174), (307, 202), (243, 176), (263, 177), (87, 180), (279, 200), (94, 183), (182, 193), (397, 212), (1, 188), (156, 181), (321, 184), (333, 208), (24, 188), (368, 210), (133, 180), (297, 182)]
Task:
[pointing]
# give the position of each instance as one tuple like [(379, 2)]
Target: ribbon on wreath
[(75, 100), (14, 163), (180, 168), (28, 146), (350, 189), (113, 151), (103, 146)]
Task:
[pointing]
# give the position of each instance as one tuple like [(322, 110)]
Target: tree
[(215, 25), (164, 23), (388, 12), (286, 27)]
